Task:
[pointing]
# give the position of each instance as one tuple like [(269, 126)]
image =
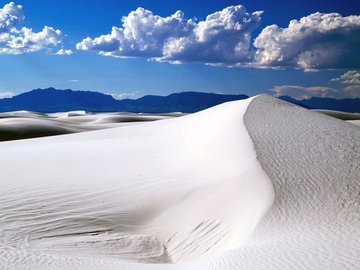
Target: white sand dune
[(161, 192), (24, 124), (340, 115), (187, 193)]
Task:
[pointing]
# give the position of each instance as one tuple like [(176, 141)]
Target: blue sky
[(233, 53)]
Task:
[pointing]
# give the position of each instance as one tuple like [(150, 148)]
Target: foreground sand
[(190, 191), (161, 192)]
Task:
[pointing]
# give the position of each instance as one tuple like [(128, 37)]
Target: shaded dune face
[(161, 192), (25, 125), (314, 163), (24, 128)]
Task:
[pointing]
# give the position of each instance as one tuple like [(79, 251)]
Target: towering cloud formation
[(14, 40), (314, 42), (317, 41), (223, 38), (142, 34)]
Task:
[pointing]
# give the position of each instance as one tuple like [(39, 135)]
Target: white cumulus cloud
[(317, 41), (142, 34), (10, 16), (223, 38), (15, 40), (313, 42)]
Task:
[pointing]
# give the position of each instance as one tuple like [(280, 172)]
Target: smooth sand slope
[(173, 191)]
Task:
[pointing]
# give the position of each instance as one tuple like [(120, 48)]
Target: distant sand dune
[(24, 128), (24, 124), (340, 115)]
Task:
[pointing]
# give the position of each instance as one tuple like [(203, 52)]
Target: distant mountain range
[(345, 105), (54, 100)]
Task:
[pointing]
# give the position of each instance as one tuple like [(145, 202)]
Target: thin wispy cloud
[(353, 90), (349, 87), (302, 92), (124, 95), (18, 40), (6, 94), (64, 52), (350, 77), (351, 80)]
